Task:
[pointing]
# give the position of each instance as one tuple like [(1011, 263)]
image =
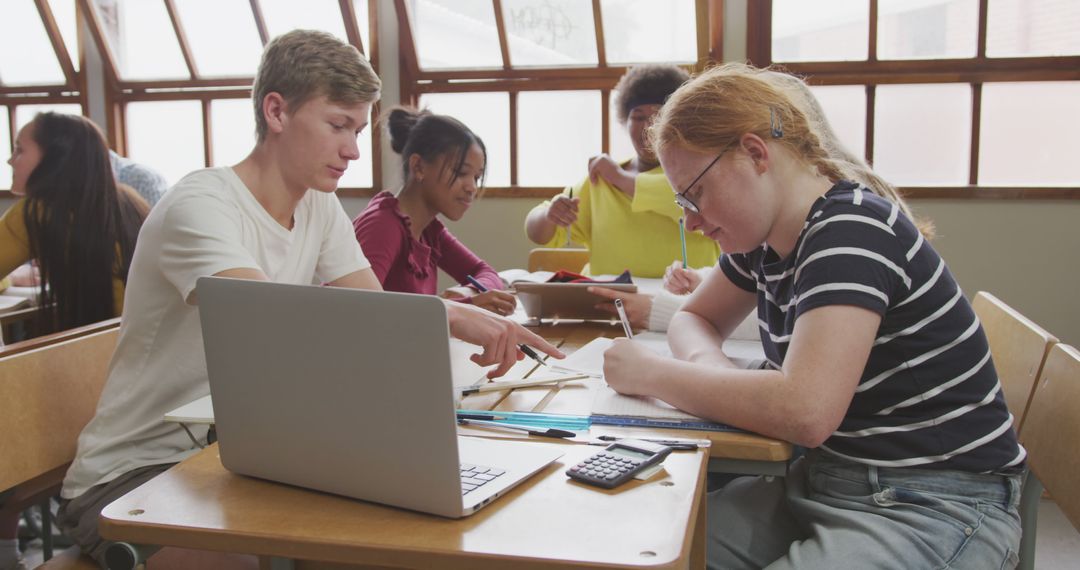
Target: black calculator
[(618, 463)]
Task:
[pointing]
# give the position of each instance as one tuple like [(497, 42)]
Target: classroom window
[(26, 56), (550, 32), (26, 113), (559, 131), (818, 31), (936, 105), (486, 114), (63, 12), (621, 146), (923, 134), (223, 36), (644, 31), (456, 34), (1029, 134), (141, 38), (166, 135), (233, 134), (286, 15)]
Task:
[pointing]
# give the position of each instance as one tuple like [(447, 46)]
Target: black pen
[(545, 432), (479, 416), (680, 444), (522, 347)]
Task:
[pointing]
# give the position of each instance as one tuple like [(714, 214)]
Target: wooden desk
[(730, 452), (546, 522)]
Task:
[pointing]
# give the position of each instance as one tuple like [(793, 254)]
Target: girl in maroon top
[(443, 163)]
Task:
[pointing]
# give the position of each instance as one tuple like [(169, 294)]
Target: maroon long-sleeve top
[(403, 263)]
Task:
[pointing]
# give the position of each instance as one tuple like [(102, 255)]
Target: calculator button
[(612, 476)]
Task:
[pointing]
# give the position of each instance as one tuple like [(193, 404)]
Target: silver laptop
[(348, 392)]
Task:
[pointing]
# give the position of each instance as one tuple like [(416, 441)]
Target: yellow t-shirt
[(640, 233), (15, 248)]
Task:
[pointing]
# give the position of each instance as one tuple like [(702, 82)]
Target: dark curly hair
[(645, 85)]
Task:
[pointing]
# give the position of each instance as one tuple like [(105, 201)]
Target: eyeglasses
[(685, 202)]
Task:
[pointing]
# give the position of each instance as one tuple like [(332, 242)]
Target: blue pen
[(682, 238), (522, 347)]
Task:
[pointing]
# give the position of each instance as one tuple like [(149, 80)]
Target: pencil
[(496, 386), (682, 238)]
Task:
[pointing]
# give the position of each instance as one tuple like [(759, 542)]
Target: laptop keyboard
[(474, 476)]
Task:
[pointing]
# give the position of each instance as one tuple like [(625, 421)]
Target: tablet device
[(565, 300)]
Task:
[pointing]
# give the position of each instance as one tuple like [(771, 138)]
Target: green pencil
[(682, 238)]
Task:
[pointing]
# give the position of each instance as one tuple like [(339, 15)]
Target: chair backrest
[(49, 389), (556, 258), (1052, 430), (1018, 346)]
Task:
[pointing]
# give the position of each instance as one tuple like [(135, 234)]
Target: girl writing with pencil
[(443, 164), (879, 365)]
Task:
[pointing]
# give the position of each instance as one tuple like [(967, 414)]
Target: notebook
[(348, 392)]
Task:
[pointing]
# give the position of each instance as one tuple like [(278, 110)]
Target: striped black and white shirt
[(929, 396)]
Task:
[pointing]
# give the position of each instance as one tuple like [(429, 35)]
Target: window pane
[(364, 23), (558, 131), (142, 39), (1027, 134), (922, 134), (488, 115), (26, 113), (670, 29), (286, 15), (358, 174), (5, 150), (63, 12), (26, 56), (818, 31), (166, 136), (845, 109), (232, 130), (621, 146), (927, 29), (1023, 28), (455, 34), (550, 32), (223, 38)]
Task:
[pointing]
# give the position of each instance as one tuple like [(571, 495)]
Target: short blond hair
[(304, 64)]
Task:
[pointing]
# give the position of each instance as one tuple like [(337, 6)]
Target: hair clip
[(776, 125)]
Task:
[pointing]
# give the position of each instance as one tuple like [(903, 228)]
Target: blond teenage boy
[(272, 217)]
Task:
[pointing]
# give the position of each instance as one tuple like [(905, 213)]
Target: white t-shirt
[(208, 223)]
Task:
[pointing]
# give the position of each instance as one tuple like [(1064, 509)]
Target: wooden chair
[(556, 258), (49, 388), (1051, 434), (1018, 346)]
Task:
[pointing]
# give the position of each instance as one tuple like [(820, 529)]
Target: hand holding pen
[(522, 347)]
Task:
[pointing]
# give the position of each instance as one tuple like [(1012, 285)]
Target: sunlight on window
[(927, 29), (818, 31), (1031, 28), (63, 12), (845, 109), (166, 136), (359, 173), (286, 15), (1028, 134), (233, 130), (363, 22), (640, 31), (142, 39), (26, 113), (222, 34), (922, 134), (557, 133), (26, 56), (5, 149), (550, 32), (488, 115), (455, 34)]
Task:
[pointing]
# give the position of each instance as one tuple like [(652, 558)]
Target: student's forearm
[(761, 401), (694, 339), (538, 227)]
